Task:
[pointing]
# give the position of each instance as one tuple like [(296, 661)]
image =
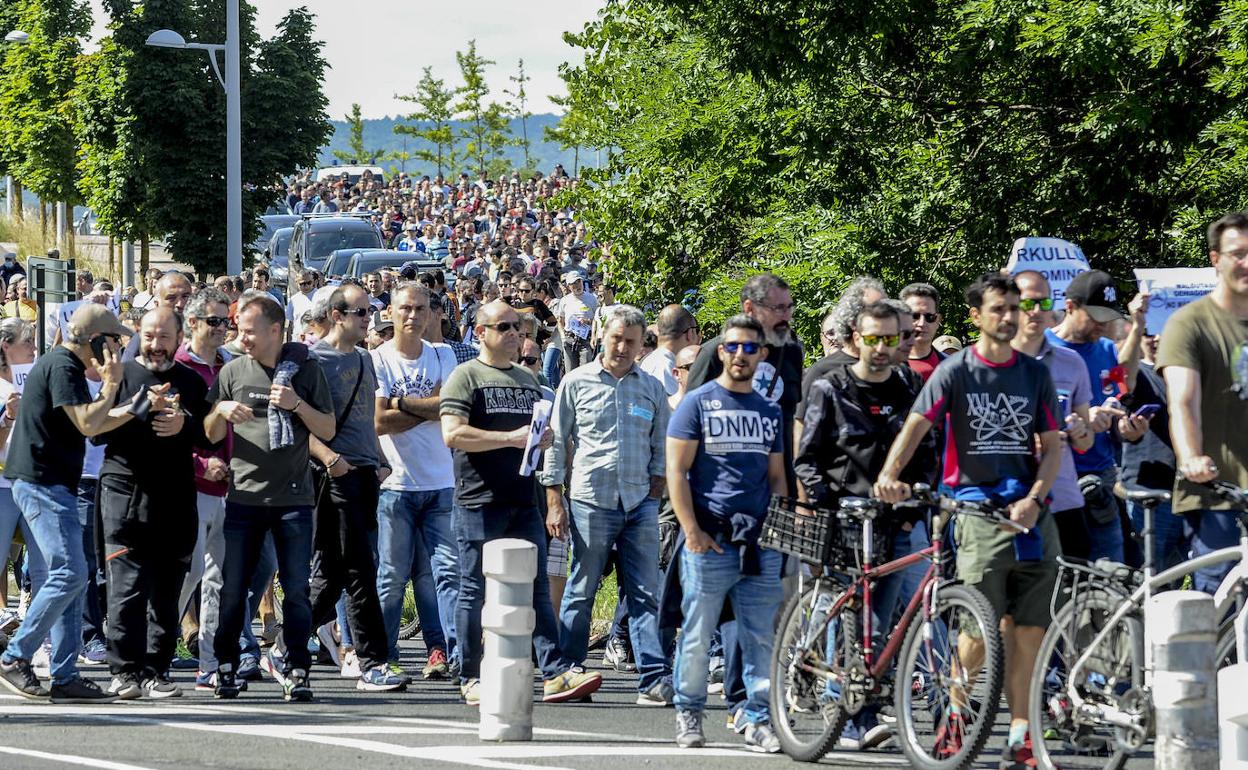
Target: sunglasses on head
[(748, 348), (215, 320), (1028, 305), (528, 360), (504, 326), (929, 317), (889, 340)]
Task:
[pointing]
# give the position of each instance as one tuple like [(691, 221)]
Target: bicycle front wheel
[(807, 662), (949, 681)]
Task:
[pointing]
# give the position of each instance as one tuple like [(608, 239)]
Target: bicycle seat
[(1142, 495), (860, 507)]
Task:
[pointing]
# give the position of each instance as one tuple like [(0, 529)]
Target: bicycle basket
[(803, 534), (845, 544)]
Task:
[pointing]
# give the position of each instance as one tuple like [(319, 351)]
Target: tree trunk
[(17, 200), (43, 223), (111, 253), (145, 250)]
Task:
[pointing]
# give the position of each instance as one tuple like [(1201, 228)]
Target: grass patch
[(30, 240)]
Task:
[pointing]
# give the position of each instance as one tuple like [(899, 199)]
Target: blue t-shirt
[(1101, 358), (736, 434)]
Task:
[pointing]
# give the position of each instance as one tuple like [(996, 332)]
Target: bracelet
[(335, 462), (1036, 499), (298, 404)]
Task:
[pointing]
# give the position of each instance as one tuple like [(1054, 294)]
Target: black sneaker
[(619, 655), (157, 686), (79, 690), (226, 687), (19, 676), (296, 688)]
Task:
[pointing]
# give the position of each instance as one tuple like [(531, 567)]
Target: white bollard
[(1184, 687), (507, 619), (1233, 716)]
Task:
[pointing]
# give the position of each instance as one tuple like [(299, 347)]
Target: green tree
[(487, 131), (434, 112), (518, 106), (358, 154)]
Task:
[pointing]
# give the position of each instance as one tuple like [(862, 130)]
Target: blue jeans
[(245, 529), (1213, 530), (92, 611), (425, 595), (59, 573), (636, 534), (550, 365), (266, 568), (1170, 535), (474, 527), (706, 580), (415, 537)]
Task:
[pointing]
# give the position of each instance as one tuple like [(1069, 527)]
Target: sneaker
[(273, 663), (436, 667), (1018, 756), (184, 664), (249, 669), (350, 664), (126, 687), (618, 656), (19, 677), (715, 681), (950, 735), (379, 679), (325, 635), (761, 738), (41, 661), (689, 730), (876, 735), (662, 694), (597, 642), (570, 685), (851, 737), (453, 667), (398, 671), (270, 634), (94, 653), (205, 681), (471, 692), (9, 620), (79, 690), (160, 686), (737, 721), (296, 688), (225, 685)]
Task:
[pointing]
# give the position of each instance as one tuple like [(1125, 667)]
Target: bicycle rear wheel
[(949, 681), (805, 708), (409, 618), (1059, 734)]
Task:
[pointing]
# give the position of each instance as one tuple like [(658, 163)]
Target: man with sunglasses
[(724, 460), (923, 299), (300, 302), (486, 409)]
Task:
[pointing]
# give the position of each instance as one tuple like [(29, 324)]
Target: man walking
[(677, 329), (609, 421), (275, 396), (487, 406)]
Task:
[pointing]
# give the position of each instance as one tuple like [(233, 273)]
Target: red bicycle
[(825, 665)]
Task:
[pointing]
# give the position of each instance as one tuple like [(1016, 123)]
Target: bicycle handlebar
[(984, 509)]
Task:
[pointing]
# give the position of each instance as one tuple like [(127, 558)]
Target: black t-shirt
[(816, 371), (882, 400), (134, 449), (539, 309), (47, 448)]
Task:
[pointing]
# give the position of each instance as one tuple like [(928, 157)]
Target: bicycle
[(824, 671), (1091, 692)]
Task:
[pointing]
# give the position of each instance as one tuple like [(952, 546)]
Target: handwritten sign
[(1171, 288), (1057, 260), (20, 373), (533, 455)]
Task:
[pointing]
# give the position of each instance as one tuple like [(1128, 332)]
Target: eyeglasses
[(523, 290), (358, 312), (528, 360), (929, 317), (1028, 305), (748, 348), (829, 334), (305, 283), (214, 320), (504, 326), (889, 340), (778, 308), (685, 368)]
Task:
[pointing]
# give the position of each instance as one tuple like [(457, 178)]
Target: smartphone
[(98, 344), (1148, 410)]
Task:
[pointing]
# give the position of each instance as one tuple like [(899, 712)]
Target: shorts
[(1021, 589)]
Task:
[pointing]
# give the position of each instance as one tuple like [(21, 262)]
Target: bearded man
[(147, 507)]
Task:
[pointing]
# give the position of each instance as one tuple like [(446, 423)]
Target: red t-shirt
[(925, 366)]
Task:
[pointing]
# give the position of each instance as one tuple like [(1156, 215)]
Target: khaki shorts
[(1020, 589)]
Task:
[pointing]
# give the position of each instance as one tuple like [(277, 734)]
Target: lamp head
[(166, 38)]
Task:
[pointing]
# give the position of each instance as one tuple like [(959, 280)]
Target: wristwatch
[(1036, 499)]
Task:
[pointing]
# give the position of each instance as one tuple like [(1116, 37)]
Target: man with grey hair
[(611, 418), (300, 301)]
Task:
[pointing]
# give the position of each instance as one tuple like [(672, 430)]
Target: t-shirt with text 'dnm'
[(736, 434), (991, 413)]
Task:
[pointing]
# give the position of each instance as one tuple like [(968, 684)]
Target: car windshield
[(321, 245), (280, 245), (337, 263), (371, 263)]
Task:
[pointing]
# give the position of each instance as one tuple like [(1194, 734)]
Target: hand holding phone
[(1146, 411)]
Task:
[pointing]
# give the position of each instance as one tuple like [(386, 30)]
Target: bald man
[(148, 508), (680, 371), (677, 330), (172, 291)]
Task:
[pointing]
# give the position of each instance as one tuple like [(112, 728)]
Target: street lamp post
[(167, 38), (16, 37)]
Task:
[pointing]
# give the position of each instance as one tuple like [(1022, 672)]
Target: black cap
[(1095, 292)]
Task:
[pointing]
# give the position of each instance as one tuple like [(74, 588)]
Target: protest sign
[(533, 455), (20, 372), (1171, 288), (1057, 260)]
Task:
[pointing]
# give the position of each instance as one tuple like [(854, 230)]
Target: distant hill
[(379, 134)]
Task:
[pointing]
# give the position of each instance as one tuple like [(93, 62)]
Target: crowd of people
[(179, 447)]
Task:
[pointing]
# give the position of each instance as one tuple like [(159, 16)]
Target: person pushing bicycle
[(994, 404)]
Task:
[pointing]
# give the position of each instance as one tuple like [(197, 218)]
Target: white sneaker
[(325, 635), (9, 620), (41, 661), (350, 668)]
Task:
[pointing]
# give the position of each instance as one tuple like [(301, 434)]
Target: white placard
[(533, 455), (20, 373), (1057, 260), (1171, 288)]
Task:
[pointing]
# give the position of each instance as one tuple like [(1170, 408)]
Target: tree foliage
[(486, 132), (518, 105), (358, 154), (434, 114), (911, 140)]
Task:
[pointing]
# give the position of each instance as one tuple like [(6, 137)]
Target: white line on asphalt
[(70, 759)]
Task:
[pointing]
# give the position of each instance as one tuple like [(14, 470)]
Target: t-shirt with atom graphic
[(990, 413)]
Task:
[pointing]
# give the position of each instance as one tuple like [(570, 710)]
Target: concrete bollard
[(1184, 689), (507, 620)]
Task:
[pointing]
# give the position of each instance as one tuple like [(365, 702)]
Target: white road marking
[(70, 759)]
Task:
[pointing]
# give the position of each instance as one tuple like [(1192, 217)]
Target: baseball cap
[(377, 323), (92, 318), (947, 342), (572, 277), (1095, 292)]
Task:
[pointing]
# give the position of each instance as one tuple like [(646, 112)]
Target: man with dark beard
[(147, 507)]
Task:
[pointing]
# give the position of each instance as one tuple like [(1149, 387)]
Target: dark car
[(364, 262), (316, 236), (271, 223), (276, 254)]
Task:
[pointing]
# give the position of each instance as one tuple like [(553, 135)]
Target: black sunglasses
[(358, 312), (504, 326), (929, 317), (215, 320), (528, 360)]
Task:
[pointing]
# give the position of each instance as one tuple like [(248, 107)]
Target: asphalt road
[(343, 728)]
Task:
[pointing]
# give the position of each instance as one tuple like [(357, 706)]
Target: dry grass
[(30, 240)]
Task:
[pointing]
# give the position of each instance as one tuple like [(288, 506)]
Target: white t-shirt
[(298, 304), (659, 365), (419, 458), (577, 313)]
